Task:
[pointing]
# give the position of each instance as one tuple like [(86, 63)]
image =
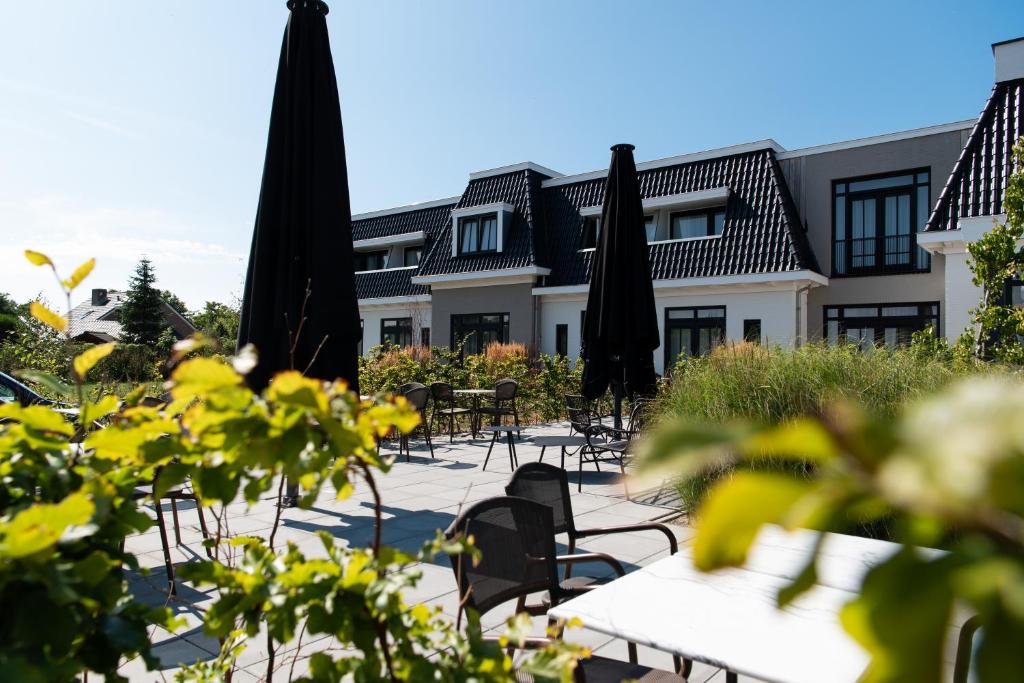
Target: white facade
[(415, 308)]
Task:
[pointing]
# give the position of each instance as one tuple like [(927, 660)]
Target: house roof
[(383, 284), (762, 231), (100, 320), (977, 184), (524, 243), (427, 217)]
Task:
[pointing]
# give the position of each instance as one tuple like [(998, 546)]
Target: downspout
[(800, 309)]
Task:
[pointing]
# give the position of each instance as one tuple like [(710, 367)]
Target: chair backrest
[(418, 396), (505, 389), (406, 388), (442, 391), (579, 410), (516, 540), (547, 484), (640, 415)]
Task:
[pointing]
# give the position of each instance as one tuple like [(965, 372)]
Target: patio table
[(558, 441), (475, 394), (728, 618), (496, 431)]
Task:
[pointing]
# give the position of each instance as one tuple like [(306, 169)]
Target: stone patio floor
[(418, 497)]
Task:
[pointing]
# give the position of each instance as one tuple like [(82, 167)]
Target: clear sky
[(140, 127)]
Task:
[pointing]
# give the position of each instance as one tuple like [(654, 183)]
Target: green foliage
[(35, 345), (219, 321), (175, 302), (141, 315), (947, 471), (67, 502), (9, 314), (995, 258), (543, 382)]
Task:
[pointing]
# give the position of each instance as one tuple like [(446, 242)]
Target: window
[(699, 223), (475, 331), (360, 345), (411, 256), (478, 234), (425, 336), (650, 227), (397, 331), (888, 325), (370, 260), (591, 231), (692, 331), (562, 339), (874, 222), (752, 331)]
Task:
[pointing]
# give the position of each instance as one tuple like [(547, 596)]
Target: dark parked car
[(13, 390)]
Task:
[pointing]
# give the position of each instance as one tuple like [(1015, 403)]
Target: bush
[(770, 385)]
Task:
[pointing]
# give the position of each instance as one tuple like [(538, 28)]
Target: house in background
[(97, 320), (751, 241)]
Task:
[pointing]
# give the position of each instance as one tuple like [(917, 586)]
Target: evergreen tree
[(142, 315), (176, 302)]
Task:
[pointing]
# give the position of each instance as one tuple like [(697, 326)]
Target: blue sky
[(130, 128)]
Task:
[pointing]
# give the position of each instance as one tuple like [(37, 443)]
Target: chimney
[(1009, 57), (99, 297)]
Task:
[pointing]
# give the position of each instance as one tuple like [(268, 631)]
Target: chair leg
[(570, 548), (631, 649), (494, 436), (165, 542), (177, 527), (451, 428), (202, 527), (579, 477), (515, 420), (563, 457), (541, 458), (513, 460), (430, 445)]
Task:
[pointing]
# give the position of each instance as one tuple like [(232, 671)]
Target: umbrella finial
[(623, 147), (318, 5)]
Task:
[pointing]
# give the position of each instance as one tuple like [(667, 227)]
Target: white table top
[(479, 392), (729, 619), (558, 440)]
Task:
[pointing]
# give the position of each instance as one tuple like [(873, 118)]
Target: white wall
[(372, 315), (961, 295), (775, 309)]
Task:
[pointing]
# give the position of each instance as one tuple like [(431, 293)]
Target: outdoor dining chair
[(505, 391), (516, 540), (443, 396), (417, 396), (581, 413), (607, 444)]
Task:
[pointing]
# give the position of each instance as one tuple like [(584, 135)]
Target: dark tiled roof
[(762, 231), (386, 283), (978, 182), (428, 220), (524, 239)]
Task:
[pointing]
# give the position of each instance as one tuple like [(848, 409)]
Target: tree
[(142, 315), (218, 321), (996, 258), (8, 317)]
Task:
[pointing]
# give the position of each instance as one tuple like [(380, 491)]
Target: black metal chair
[(418, 396), (581, 413), (505, 391), (443, 397), (605, 443), (516, 539), (549, 485)]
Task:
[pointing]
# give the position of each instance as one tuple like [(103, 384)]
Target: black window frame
[(361, 260), (836, 313), (709, 213), (652, 218), (399, 330), (362, 332), (691, 323), (425, 337), (591, 230), (842, 255), (411, 250), (479, 220), (562, 339), (752, 331), (458, 323)]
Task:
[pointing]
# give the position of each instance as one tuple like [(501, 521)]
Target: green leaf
[(41, 526), (81, 272), (37, 259), (45, 379), (40, 418), (734, 512), (804, 439), (48, 317), (901, 618), (200, 376), (98, 410), (805, 580), (87, 360)]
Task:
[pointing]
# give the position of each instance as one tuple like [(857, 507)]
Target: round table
[(475, 394), (495, 430), (561, 441)]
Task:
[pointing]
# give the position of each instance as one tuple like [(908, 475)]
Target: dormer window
[(697, 223), (411, 256), (650, 227), (370, 260), (591, 231), (478, 234)]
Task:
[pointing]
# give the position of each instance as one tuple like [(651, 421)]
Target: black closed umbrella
[(620, 329), (299, 306)]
